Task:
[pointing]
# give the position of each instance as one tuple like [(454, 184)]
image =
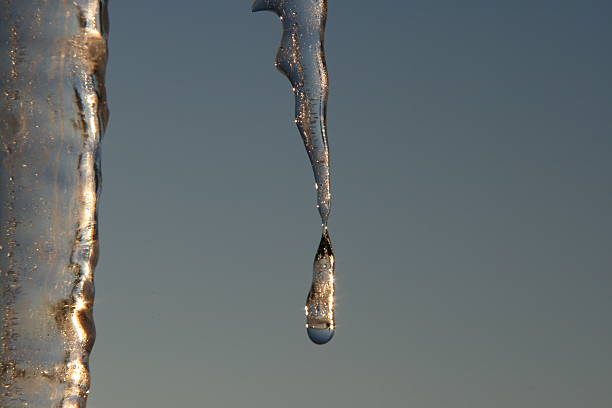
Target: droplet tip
[(320, 336)]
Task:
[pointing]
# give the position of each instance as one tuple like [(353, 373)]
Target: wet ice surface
[(320, 318), (52, 116), (301, 57)]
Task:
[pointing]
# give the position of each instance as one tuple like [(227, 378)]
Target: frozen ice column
[(52, 116)]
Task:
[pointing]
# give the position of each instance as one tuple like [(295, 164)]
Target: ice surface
[(52, 115)]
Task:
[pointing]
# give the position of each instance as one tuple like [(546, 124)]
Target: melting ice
[(301, 57)]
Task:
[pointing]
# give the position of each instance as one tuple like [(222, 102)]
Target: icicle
[(52, 117), (301, 57)]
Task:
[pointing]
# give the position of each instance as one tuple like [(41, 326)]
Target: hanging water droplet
[(320, 303)]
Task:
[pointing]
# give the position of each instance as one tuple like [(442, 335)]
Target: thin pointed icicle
[(301, 57)]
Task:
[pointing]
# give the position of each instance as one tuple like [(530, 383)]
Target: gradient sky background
[(471, 145)]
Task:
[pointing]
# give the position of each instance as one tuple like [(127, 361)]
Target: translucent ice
[(52, 116), (301, 57), (320, 308)]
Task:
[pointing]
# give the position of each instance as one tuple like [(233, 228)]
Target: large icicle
[(52, 116)]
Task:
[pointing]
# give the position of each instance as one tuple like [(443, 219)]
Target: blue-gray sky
[(472, 217)]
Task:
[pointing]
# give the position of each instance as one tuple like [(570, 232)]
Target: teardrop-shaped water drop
[(320, 318)]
